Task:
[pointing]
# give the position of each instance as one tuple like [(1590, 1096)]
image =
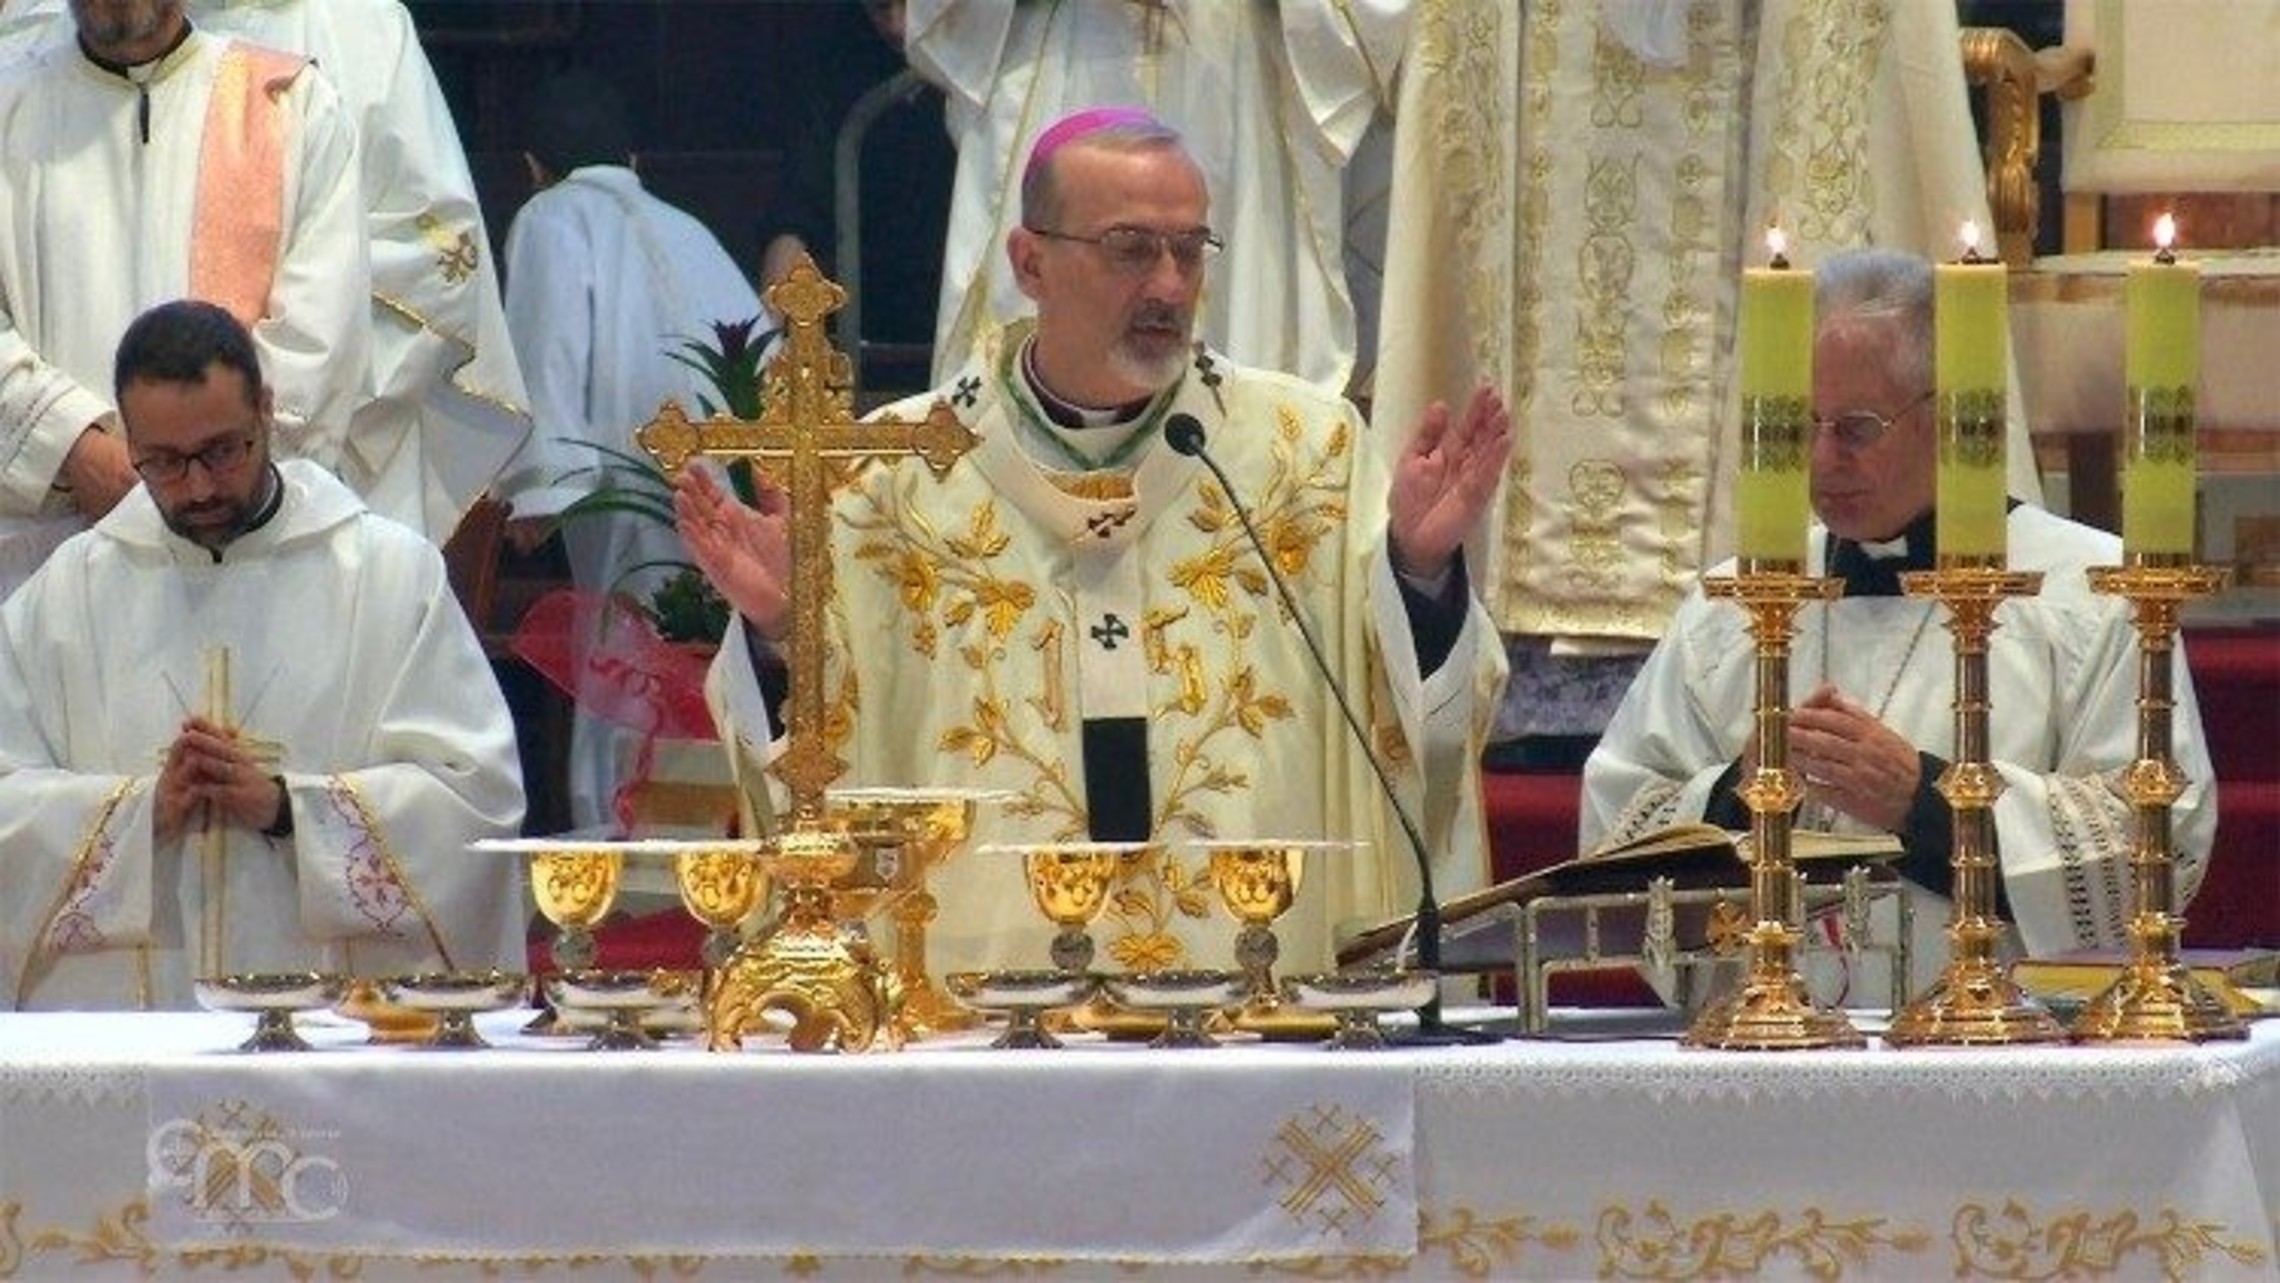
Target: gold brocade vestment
[(974, 618)]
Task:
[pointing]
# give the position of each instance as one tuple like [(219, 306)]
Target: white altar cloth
[(1625, 1158)]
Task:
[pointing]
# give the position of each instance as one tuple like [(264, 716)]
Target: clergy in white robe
[(1075, 616), (1273, 100), (1872, 674), (203, 168), (604, 282), (448, 408), (243, 723)]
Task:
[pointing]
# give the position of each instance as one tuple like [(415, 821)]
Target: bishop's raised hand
[(745, 552), (1445, 481)]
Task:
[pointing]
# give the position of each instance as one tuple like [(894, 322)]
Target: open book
[(2247, 981), (1692, 856)]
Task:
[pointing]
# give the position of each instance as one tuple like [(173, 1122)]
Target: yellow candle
[(1777, 389), (1970, 346), (2163, 369)]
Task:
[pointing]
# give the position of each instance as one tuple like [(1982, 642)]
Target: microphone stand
[(1185, 435)]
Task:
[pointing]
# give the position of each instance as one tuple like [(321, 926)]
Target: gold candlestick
[(1771, 1010), (2156, 996), (1975, 1001)]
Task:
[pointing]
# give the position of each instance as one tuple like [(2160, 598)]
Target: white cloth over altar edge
[(1624, 1158)]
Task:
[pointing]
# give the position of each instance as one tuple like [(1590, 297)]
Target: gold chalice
[(575, 882), (722, 882), (1258, 881), (1069, 882), (901, 835)]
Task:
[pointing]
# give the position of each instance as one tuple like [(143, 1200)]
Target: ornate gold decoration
[(1477, 1245), (2011, 1242), (1771, 1011), (1975, 1000), (1331, 1168), (903, 834), (1654, 1244), (808, 442), (2156, 996), (837, 995)]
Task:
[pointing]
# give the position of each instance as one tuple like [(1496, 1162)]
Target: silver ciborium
[(274, 996)]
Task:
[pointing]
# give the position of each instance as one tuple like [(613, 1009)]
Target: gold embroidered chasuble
[(1571, 226), (978, 620)]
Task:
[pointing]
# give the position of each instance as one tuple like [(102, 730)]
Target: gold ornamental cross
[(807, 442)]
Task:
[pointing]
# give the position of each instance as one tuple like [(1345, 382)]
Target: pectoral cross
[(807, 441)]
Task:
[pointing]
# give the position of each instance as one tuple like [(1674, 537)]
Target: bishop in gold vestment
[(1074, 570)]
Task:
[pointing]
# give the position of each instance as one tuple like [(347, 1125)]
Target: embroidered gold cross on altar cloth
[(808, 442), (219, 707)]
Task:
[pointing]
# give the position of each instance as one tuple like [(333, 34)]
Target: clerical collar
[(1110, 437), (272, 501), (1068, 413), (129, 70), (1873, 568), (140, 74)]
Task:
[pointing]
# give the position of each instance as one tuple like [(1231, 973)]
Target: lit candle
[(1970, 343), (2163, 370), (1777, 391)]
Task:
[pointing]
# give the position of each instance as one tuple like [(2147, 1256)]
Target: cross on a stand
[(807, 442)]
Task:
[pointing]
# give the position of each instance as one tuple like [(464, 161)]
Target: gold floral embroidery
[(2012, 1243), (1654, 1244), (1477, 1245)]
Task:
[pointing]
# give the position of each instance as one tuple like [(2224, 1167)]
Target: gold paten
[(1974, 1002), (2156, 997), (808, 442), (1770, 1010)]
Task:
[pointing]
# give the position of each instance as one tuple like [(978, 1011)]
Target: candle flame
[(2165, 231), (1776, 242), (1968, 234)]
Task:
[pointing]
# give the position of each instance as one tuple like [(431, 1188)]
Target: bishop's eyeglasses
[(1134, 251), (1860, 429), (218, 458)]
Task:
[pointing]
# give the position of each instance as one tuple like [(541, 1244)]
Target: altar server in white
[(1872, 674), (605, 282), (149, 160), (243, 723), (1273, 99), (1074, 615)]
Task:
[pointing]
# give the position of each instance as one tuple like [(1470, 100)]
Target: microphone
[(1184, 434)]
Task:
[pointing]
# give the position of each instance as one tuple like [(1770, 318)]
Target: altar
[(139, 1146)]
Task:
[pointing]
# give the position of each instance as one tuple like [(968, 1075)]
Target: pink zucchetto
[(1076, 125)]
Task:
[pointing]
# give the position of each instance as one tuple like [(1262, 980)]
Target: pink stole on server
[(238, 222)]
